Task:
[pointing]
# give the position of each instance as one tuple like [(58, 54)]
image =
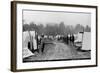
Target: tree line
[(55, 29)]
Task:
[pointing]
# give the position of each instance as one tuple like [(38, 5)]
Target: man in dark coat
[(72, 39), (42, 44)]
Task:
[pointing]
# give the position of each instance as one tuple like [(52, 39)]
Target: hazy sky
[(69, 18)]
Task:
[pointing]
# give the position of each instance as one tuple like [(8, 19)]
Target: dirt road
[(57, 51)]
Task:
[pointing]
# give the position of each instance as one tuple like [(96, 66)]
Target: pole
[(82, 34)]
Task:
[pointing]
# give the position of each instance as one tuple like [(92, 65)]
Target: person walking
[(42, 44)]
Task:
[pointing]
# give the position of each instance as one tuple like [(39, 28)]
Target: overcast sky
[(69, 18)]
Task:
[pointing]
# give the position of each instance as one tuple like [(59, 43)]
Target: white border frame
[(50, 64)]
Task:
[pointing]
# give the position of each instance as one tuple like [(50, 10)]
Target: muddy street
[(58, 51)]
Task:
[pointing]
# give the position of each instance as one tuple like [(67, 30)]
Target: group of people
[(70, 38), (41, 41)]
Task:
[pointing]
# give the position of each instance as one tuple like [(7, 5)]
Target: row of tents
[(82, 40)]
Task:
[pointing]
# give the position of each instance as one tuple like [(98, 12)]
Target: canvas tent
[(25, 51), (79, 37), (33, 36), (86, 44), (83, 40), (27, 36)]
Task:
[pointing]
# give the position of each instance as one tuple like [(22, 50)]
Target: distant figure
[(39, 39), (69, 36), (72, 39), (42, 44), (67, 39)]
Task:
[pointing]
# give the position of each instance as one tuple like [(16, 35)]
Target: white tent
[(79, 37), (33, 35), (26, 38), (25, 51), (86, 44)]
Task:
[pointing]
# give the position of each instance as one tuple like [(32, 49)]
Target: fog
[(44, 17)]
